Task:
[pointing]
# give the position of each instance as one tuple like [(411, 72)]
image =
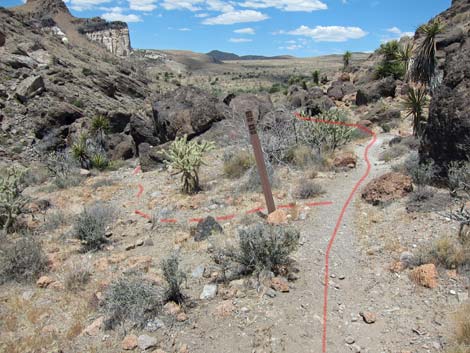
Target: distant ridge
[(224, 56)]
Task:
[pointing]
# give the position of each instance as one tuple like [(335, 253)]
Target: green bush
[(391, 65), (308, 190), (131, 298), (99, 161), (265, 247), (90, 226), (185, 157), (21, 260)]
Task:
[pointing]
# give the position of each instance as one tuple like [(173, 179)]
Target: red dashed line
[(310, 204), (341, 216)]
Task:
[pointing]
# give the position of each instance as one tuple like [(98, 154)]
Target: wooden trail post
[(263, 174)]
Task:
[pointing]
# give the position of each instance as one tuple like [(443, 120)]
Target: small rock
[(171, 308), (85, 172), (154, 325), (139, 242), (225, 309), (350, 340), (277, 217), (44, 282), (129, 247), (452, 292), (129, 342), (198, 272), (407, 259), (280, 284), (270, 293), (94, 328), (368, 317), (145, 342), (356, 348), (462, 296), (209, 292), (425, 275), (148, 242), (181, 317)]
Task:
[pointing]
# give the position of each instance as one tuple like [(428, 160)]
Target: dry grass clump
[(174, 278), (21, 260), (236, 165), (462, 331), (447, 252), (308, 190), (77, 276), (90, 226), (131, 298), (300, 156)]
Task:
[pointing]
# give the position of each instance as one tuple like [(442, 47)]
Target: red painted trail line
[(140, 192), (137, 170), (142, 214), (341, 215), (322, 203)]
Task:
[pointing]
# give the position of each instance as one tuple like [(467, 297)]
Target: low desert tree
[(425, 62), (415, 103), (316, 77), (186, 157), (391, 65), (346, 59)]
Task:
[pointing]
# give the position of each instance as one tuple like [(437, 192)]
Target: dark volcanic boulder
[(372, 92), (447, 134), (315, 106), (118, 121), (335, 92), (150, 157), (186, 110), (143, 130), (121, 146), (259, 105), (381, 114), (2, 39), (59, 115), (29, 87)]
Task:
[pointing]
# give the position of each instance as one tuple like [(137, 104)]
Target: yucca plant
[(391, 65), (316, 77), (80, 151), (99, 161), (425, 61), (405, 54), (346, 59), (185, 157), (100, 127), (415, 103)]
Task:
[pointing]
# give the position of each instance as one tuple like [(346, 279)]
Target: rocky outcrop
[(447, 134), (29, 87), (372, 92), (114, 36), (185, 111), (2, 39), (259, 105), (388, 187)]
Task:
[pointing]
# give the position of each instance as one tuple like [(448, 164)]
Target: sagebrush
[(90, 226)]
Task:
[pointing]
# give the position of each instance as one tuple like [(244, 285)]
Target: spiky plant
[(346, 59), (185, 157), (11, 198), (415, 103), (80, 151), (100, 127), (99, 161), (391, 65), (425, 61), (316, 77), (405, 54)]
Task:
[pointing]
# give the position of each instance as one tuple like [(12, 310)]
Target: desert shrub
[(99, 161), (458, 177), (300, 156), (236, 164), (391, 65), (11, 197), (77, 275), (326, 136), (316, 77), (21, 260), (393, 152), (54, 220), (80, 151), (63, 169), (90, 226), (308, 190), (86, 71), (78, 103), (131, 298), (447, 252), (462, 332), (174, 278), (185, 157), (277, 87), (421, 173), (346, 59), (265, 247)]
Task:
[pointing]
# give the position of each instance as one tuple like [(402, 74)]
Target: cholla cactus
[(185, 157), (11, 199)]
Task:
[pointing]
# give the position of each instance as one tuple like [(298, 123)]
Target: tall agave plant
[(405, 54), (425, 62), (415, 103)]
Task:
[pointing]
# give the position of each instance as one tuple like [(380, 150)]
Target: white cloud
[(232, 17), (80, 5), (247, 30), (240, 40), (287, 5), (191, 5), (115, 14), (184, 29), (329, 33), (202, 15), (291, 47), (218, 5), (397, 31), (142, 5)]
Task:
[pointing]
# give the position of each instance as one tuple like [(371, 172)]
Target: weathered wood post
[(263, 174)]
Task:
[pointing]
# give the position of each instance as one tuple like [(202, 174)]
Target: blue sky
[(266, 27)]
